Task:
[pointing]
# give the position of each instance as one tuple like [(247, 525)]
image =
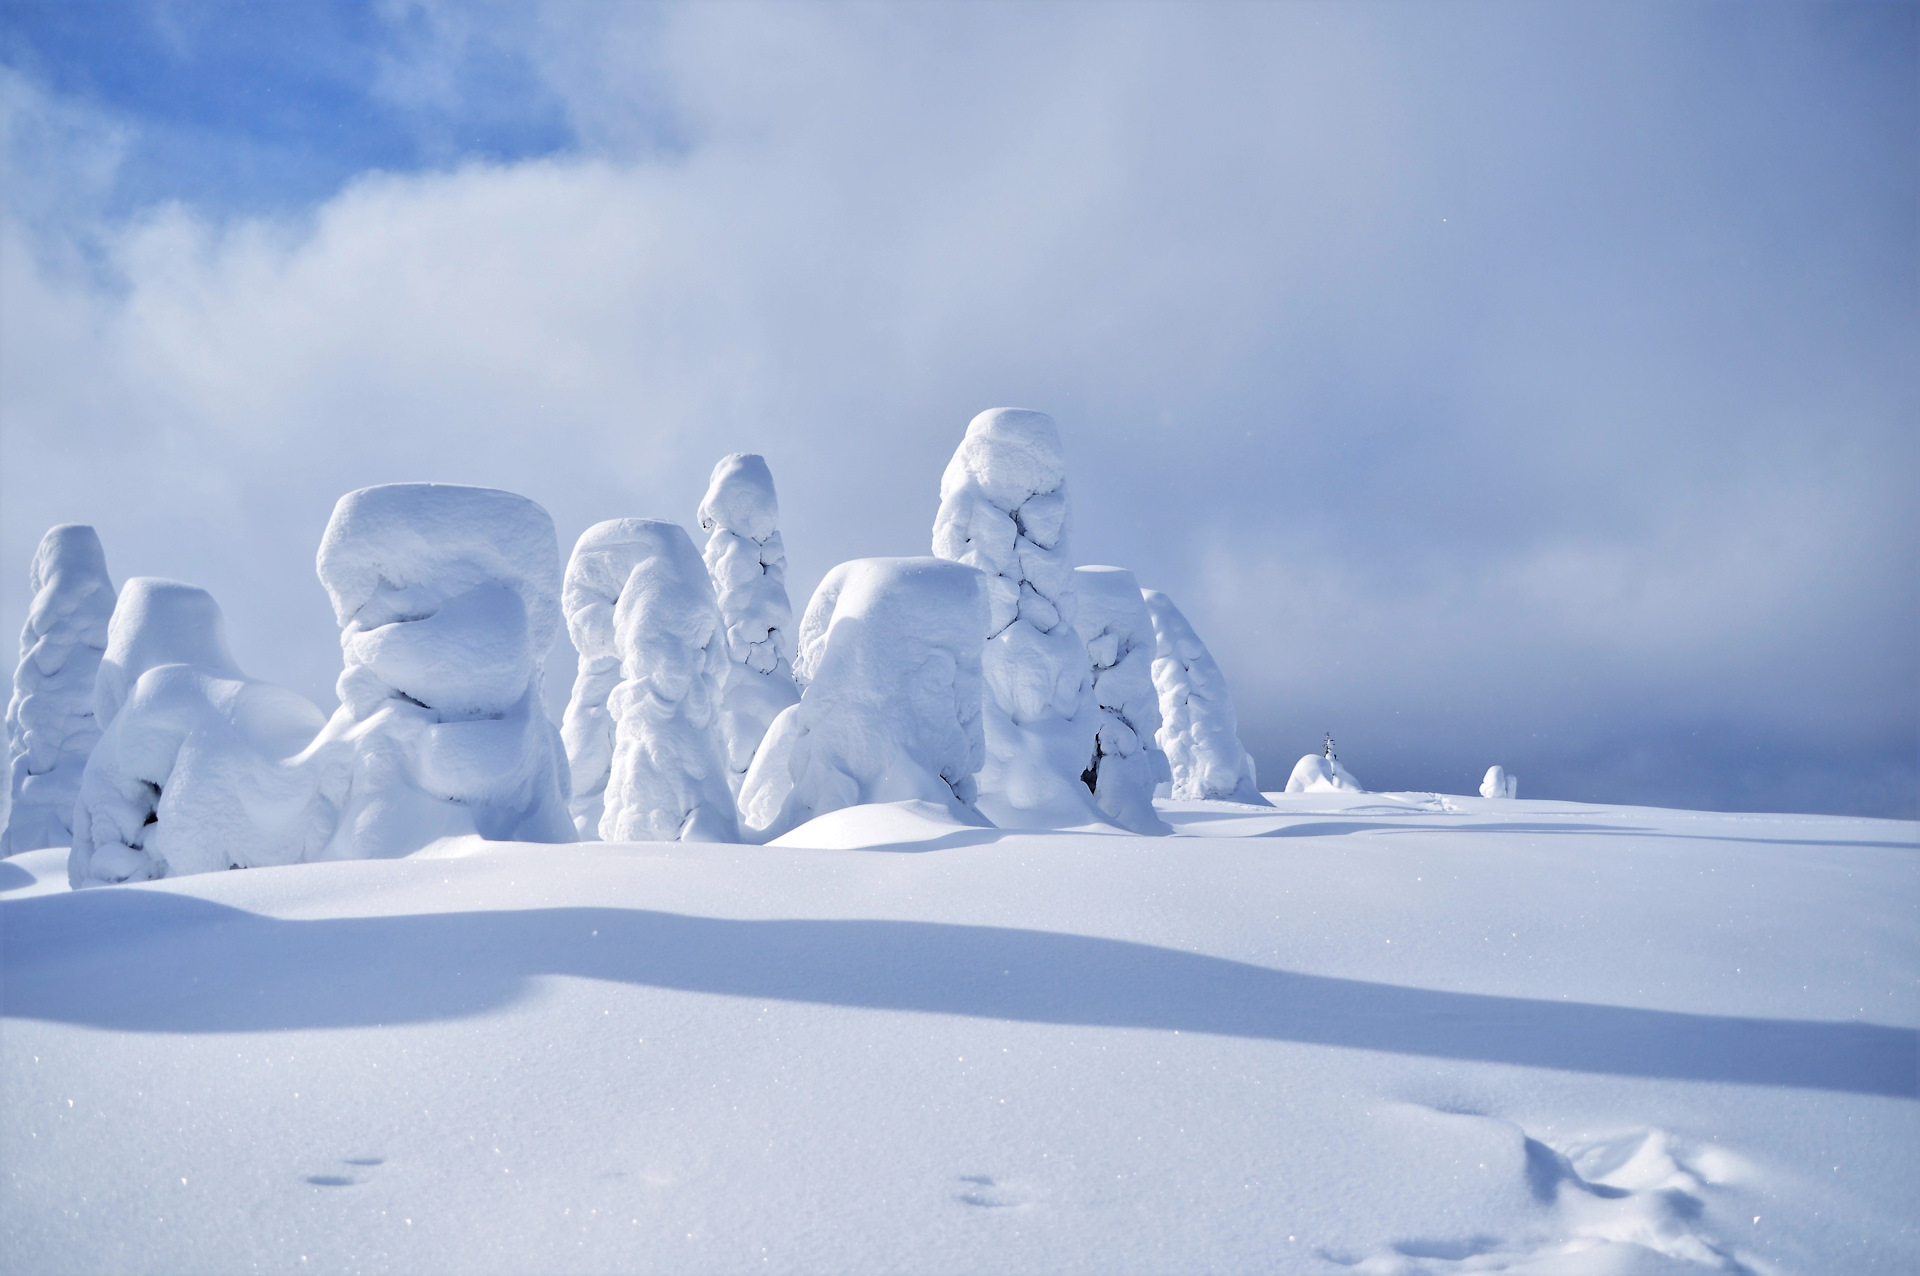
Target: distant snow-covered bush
[(1499, 783), (1321, 773)]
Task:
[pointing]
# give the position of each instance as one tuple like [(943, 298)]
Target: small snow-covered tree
[(667, 778), (1322, 772), (748, 565), (1500, 783), (1199, 731), (448, 599), (51, 727), (1127, 763), (1003, 510), (197, 769), (890, 653)]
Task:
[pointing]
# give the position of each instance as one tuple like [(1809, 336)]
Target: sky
[(1490, 383)]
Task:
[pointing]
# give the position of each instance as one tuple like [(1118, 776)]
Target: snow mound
[(51, 727), (196, 769), (448, 601), (909, 825), (1199, 731), (748, 563), (890, 655), (1127, 763), (1499, 784), (1003, 510), (1321, 773), (667, 778)]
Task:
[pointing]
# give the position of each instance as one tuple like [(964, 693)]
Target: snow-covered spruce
[(748, 564), (890, 655), (1003, 510), (448, 602), (1198, 731), (50, 723), (196, 769), (667, 778), (1499, 783), (1128, 763), (1321, 773)]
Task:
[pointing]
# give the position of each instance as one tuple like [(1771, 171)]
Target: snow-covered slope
[(1354, 1033)]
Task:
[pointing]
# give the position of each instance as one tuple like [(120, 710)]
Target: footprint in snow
[(990, 1193), (346, 1180)]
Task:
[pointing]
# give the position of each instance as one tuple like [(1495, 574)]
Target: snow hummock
[(890, 657), (1128, 763), (748, 564), (1500, 783), (51, 726), (1321, 773), (640, 583), (1199, 732), (196, 770), (448, 601), (1003, 509)]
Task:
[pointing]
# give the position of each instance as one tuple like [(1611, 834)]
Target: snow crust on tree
[(1128, 763), (51, 728), (196, 769), (747, 562), (1199, 731), (603, 558), (1499, 783), (889, 654), (448, 602), (1003, 510), (666, 777), (1320, 773)]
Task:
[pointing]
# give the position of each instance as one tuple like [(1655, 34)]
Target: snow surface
[(890, 654), (667, 775), (748, 563), (448, 599), (1321, 773), (1499, 784), (1128, 764), (1003, 509), (1199, 732), (196, 770), (1354, 1033), (51, 726)]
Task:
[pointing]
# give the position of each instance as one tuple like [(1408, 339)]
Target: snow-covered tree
[(667, 778), (448, 602), (197, 768), (1499, 783), (1199, 731), (603, 558), (1322, 772), (1128, 763), (1003, 510), (50, 722), (890, 655), (748, 565)]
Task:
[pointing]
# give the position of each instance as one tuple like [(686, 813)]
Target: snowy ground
[(1370, 1033)]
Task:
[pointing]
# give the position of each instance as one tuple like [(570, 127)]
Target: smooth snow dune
[(1354, 1032)]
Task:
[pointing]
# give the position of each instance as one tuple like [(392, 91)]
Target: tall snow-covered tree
[(51, 728), (748, 565), (1127, 763), (1199, 731), (1003, 510)]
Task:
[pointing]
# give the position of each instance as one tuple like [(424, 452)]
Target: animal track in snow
[(347, 1180), (991, 1193)]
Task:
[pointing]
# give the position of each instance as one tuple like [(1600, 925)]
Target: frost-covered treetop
[(398, 551), (603, 558), (740, 498), (70, 563), (159, 622), (1003, 509)]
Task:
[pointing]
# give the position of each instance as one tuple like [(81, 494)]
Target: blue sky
[(1491, 383)]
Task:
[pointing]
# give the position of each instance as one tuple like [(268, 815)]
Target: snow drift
[(51, 727), (192, 773), (640, 583), (1199, 732), (1003, 510), (747, 561), (1127, 763), (448, 601), (1499, 784), (890, 655)]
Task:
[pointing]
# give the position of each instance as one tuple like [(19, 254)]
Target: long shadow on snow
[(1333, 828), (154, 961)]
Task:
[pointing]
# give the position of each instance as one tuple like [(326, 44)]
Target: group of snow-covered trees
[(994, 679)]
